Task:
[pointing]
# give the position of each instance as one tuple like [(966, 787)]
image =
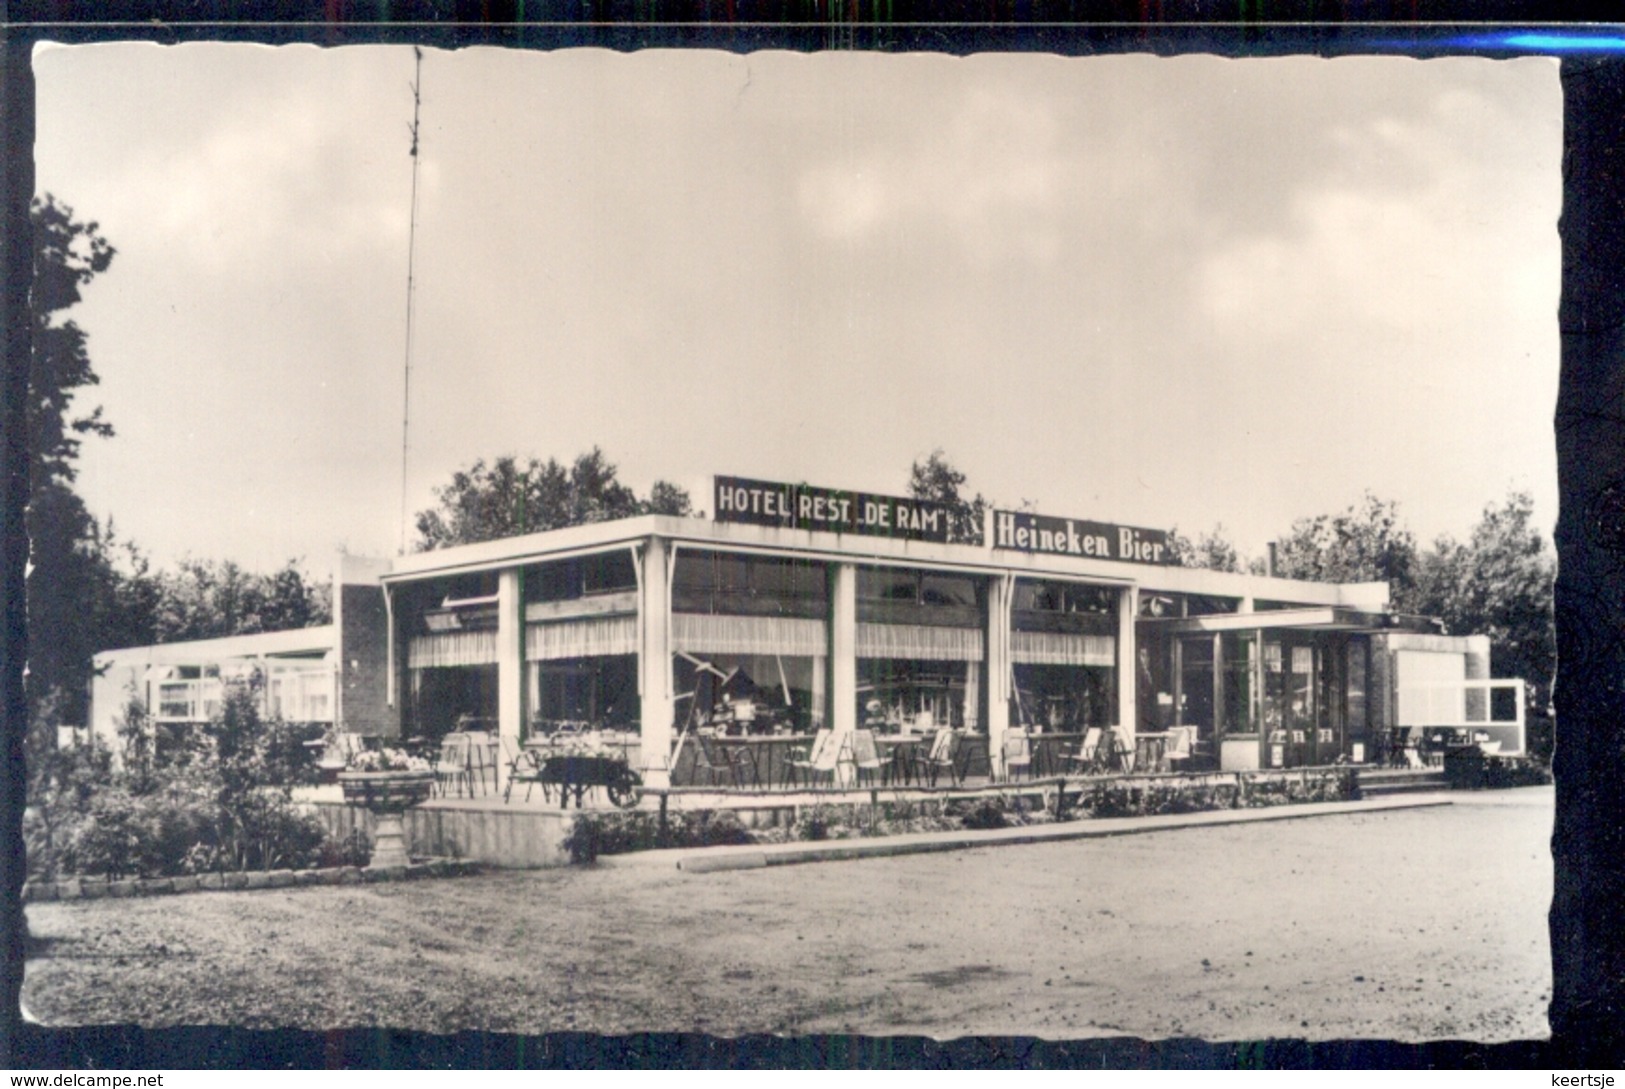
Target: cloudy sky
[(1161, 292)]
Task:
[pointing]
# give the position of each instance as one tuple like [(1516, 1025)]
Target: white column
[(998, 671), (510, 662), (654, 664), (843, 651), (820, 690), (1128, 663)]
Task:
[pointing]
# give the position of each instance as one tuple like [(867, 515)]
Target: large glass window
[(1063, 653), (899, 595), (1063, 699), (1195, 707), (751, 636), (921, 647), (1239, 650), (728, 583), (1035, 595), (903, 694), (750, 694), (447, 698), (1358, 724), (599, 693), (1162, 604), (566, 580)]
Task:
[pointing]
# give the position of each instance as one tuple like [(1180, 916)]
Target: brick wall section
[(363, 644), (1380, 688)]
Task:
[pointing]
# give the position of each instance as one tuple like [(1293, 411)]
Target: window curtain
[(1062, 648), (919, 642), (596, 637), (452, 648), (702, 633)]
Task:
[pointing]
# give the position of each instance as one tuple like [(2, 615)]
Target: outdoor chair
[(1087, 758), (1119, 755), (1412, 752), (452, 766), (1018, 755), (865, 756), (483, 755), (1181, 747), (943, 756), (742, 760), (526, 767), (713, 761), (818, 761)]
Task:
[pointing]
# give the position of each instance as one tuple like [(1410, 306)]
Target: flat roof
[(269, 644), (1330, 618), (599, 537)]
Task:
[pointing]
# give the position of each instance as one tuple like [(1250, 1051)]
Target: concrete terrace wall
[(517, 838)]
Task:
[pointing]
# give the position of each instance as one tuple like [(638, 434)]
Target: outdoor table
[(1150, 750), (765, 755), (744, 752), (901, 754), (972, 755), (1051, 752)]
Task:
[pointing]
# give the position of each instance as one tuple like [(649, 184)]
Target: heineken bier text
[(1023, 532)]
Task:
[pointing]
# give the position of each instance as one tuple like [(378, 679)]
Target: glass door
[(1239, 707), (1331, 684), (1289, 702), (1196, 691), (1300, 706)]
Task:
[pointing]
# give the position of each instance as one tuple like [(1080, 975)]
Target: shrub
[(594, 834), (712, 828), (584, 840), (214, 799), (133, 835), (984, 813), (823, 822), (268, 832), (354, 849)]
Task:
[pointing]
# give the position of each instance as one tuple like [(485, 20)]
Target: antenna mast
[(411, 254)]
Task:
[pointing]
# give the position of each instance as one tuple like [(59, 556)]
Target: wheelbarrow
[(575, 775)]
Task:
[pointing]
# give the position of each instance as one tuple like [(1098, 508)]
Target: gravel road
[(1407, 925)]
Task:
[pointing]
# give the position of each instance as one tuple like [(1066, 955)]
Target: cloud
[(1354, 251), (992, 173)]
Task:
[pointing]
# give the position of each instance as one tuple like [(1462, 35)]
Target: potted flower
[(387, 782)]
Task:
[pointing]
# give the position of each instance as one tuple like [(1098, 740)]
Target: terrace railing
[(1494, 709)]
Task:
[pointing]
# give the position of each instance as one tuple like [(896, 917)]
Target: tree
[(68, 255), (1211, 550), (208, 599), (70, 572), (1500, 583), (1365, 543), (937, 480), (508, 498), (668, 498)]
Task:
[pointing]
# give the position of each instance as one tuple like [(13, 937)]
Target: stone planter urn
[(387, 795)]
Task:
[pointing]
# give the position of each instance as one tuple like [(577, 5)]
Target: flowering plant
[(387, 760), (572, 744)]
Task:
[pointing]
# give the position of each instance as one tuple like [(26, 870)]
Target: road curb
[(753, 860), (723, 859)]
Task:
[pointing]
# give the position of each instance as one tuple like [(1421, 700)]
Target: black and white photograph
[(890, 545)]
